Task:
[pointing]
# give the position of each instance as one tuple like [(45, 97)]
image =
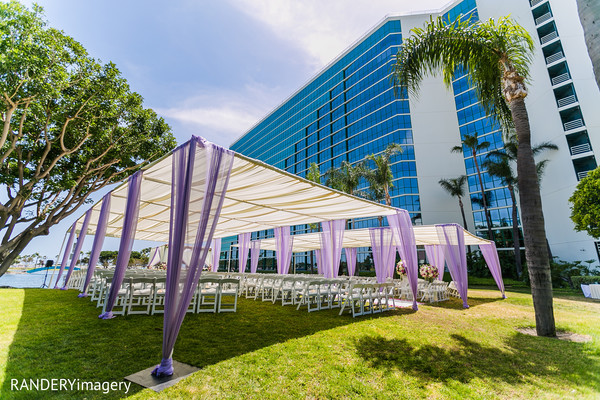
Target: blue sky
[(214, 68)]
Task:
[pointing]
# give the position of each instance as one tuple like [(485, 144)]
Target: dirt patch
[(560, 335)]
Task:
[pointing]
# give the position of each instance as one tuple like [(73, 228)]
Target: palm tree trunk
[(589, 15), (488, 220), (462, 211), (536, 251), (388, 199), (515, 232)]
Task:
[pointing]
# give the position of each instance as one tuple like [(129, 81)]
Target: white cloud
[(223, 116), (318, 30), (323, 29)]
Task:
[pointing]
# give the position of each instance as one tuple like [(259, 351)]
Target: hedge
[(585, 280)]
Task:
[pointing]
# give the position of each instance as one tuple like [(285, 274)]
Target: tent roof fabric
[(424, 234), (259, 197)]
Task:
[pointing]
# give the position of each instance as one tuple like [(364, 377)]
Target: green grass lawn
[(269, 351)]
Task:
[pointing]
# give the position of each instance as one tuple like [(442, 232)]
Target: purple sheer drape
[(384, 252), (435, 256), (78, 246), (351, 260), (243, 247), (254, 255), (332, 238), (208, 175), (452, 239), (98, 242), (319, 261), (404, 236), (132, 209), (154, 256), (216, 254), (67, 253), (490, 254), (283, 243)]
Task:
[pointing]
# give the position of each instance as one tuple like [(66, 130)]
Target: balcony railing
[(582, 174), (548, 37), (566, 101), (561, 78), (580, 148), (543, 18), (534, 3), (554, 57), (577, 123)]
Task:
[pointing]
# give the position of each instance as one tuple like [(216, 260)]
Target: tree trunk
[(536, 251), (10, 251), (515, 232), (488, 220), (462, 211), (589, 15)]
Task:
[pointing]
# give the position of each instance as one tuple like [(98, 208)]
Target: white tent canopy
[(424, 235), (258, 197)]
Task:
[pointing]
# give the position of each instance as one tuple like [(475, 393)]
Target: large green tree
[(585, 204), (498, 55), (70, 126), (498, 164)]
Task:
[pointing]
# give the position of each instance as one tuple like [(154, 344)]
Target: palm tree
[(346, 178), (314, 175), (334, 179), (498, 55), (498, 165), (589, 15), (380, 178), (476, 147), (456, 188)]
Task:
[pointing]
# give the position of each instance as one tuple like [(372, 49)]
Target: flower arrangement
[(400, 268), (428, 272)]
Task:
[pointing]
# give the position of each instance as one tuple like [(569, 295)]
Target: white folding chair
[(207, 295), (141, 294), (228, 295)]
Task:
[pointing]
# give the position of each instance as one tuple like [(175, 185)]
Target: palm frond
[(538, 148), (486, 49)]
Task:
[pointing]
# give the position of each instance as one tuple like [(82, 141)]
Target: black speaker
[(49, 263)]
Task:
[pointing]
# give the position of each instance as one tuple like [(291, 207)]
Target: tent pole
[(229, 258), (57, 259)]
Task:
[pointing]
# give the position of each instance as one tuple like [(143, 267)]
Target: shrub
[(477, 267), (585, 280)]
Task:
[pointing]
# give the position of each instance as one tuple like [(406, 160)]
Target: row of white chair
[(143, 291), (360, 295), (145, 294)]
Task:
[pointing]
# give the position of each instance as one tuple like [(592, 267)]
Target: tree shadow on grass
[(521, 359), (60, 336)]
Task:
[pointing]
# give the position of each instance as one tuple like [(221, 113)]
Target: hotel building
[(350, 110)]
